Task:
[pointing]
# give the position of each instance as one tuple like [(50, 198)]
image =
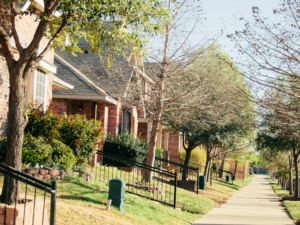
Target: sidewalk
[(254, 204)]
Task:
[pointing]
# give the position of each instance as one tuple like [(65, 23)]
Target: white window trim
[(46, 87)]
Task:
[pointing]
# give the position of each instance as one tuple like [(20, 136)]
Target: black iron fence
[(30, 198), (162, 188), (187, 177)]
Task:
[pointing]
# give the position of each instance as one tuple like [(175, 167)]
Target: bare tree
[(163, 79)]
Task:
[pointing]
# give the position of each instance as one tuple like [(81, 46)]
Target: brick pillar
[(113, 121), (165, 140)]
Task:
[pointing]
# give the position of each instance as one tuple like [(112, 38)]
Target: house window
[(40, 87), (125, 123)]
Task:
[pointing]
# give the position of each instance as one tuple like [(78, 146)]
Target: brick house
[(100, 93), (94, 95), (41, 81)]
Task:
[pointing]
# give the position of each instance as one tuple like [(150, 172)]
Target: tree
[(166, 82), (73, 19), (277, 132), (163, 80), (272, 63), (228, 116), (277, 151)]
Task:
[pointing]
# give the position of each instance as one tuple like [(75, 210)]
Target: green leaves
[(74, 132), (108, 25)]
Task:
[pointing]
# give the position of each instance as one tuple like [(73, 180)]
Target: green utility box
[(227, 178), (233, 177), (202, 182), (117, 193)]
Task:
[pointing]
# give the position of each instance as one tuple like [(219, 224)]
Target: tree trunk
[(235, 167), (296, 194), (217, 169), (208, 171), (222, 167), (15, 134), (206, 165), (147, 175), (291, 182), (186, 163)]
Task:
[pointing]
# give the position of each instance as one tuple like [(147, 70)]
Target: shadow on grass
[(78, 182), (82, 198), (226, 184)]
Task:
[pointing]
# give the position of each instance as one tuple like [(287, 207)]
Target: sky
[(224, 15)]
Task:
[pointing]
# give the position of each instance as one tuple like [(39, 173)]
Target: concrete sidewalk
[(254, 204)]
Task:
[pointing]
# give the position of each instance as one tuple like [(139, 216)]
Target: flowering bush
[(81, 135), (75, 132)]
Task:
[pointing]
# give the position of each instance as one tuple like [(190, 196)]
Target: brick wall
[(4, 94), (60, 105), (243, 170), (103, 114), (142, 131), (86, 108), (114, 118), (174, 144)]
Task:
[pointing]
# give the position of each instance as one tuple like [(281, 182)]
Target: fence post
[(53, 202), (175, 189), (197, 181)]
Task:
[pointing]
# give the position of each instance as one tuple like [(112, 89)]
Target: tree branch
[(14, 30), (7, 48)]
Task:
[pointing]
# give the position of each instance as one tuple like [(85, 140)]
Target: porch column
[(149, 128), (166, 141), (159, 137)]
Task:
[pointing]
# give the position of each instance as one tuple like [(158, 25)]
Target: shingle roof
[(80, 87), (112, 81)]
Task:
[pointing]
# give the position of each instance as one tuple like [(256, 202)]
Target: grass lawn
[(85, 202), (293, 207)]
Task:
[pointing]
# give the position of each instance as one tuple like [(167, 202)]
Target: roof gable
[(94, 72)]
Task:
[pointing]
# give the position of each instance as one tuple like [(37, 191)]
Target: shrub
[(62, 155), (123, 144), (128, 140), (77, 132), (42, 124), (34, 151), (160, 154), (81, 135)]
